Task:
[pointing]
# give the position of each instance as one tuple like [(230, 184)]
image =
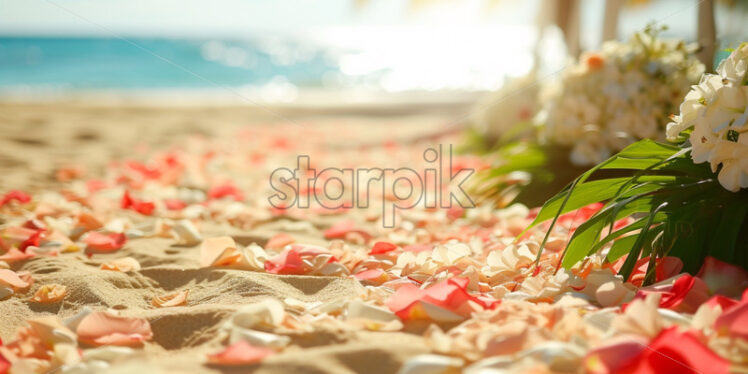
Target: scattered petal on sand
[(341, 230), (10, 278), (240, 353), (124, 264), (173, 299), (102, 328), (49, 293), (683, 293), (279, 241), (225, 190), (187, 233), (223, 252), (446, 301), (101, 242), (432, 364), (371, 317), (14, 255), (287, 262), (15, 195), (140, 206), (267, 313)]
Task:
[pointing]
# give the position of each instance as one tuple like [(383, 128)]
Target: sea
[(275, 66)]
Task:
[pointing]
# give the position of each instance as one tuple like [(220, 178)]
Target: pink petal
[(101, 328), (240, 353), (105, 242), (279, 241), (174, 204), (14, 255), (734, 320), (12, 279), (212, 251), (341, 229), (724, 302), (723, 278)]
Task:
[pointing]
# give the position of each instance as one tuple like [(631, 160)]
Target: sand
[(38, 139)]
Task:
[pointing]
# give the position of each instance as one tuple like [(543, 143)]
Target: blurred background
[(294, 50)]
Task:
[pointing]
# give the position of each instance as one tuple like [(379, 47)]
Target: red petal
[(240, 353), (105, 242), (16, 195), (33, 240), (287, 262), (225, 190), (4, 364), (450, 294), (675, 352), (140, 206), (101, 328), (685, 294), (382, 247)]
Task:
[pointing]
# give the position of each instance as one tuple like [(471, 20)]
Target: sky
[(216, 17), (239, 18)]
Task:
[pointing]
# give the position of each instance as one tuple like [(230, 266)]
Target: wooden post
[(707, 37), (610, 20), (567, 19)]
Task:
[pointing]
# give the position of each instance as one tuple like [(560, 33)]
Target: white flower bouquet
[(681, 206), (605, 102), (616, 96)]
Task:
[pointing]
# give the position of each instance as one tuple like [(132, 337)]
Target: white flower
[(515, 103), (717, 110), (624, 93)]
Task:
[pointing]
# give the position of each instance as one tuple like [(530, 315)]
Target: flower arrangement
[(683, 207), (608, 100), (616, 96), (713, 117)]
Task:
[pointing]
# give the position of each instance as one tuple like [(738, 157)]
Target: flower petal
[(102, 328), (173, 299), (124, 264), (49, 293), (11, 279), (240, 353), (105, 242)]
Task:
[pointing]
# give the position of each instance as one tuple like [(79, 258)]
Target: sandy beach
[(42, 138)]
